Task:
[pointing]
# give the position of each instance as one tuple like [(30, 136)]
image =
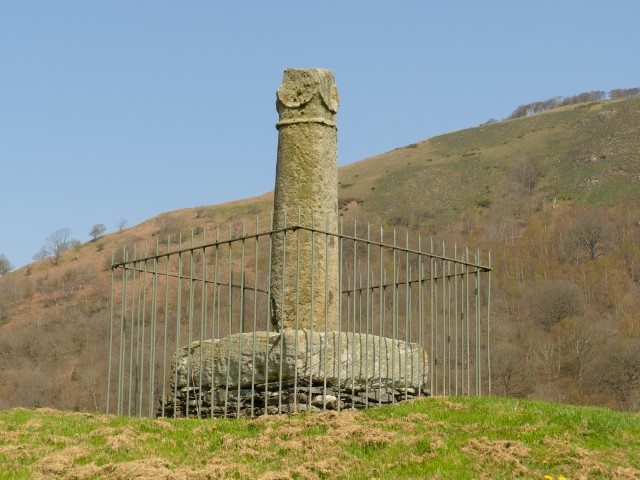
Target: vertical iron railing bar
[(367, 318), (219, 283), (143, 320), (123, 320), (311, 325), (468, 322), (215, 316), (455, 314), (432, 353), (242, 313), (282, 312), (166, 322), (255, 318), (296, 346), (408, 320), (268, 319), (386, 343), (420, 315), (437, 364), (381, 317), (326, 315), (463, 316), (203, 320), (460, 319), (178, 314), (394, 318), (448, 320), (349, 359), (445, 345), (338, 362), (134, 317), (407, 316), (152, 353), (190, 324), (450, 335), (489, 325), (230, 325), (123, 329), (219, 314), (353, 320), (372, 325), (359, 293), (113, 255), (475, 330), (478, 326), (137, 344)]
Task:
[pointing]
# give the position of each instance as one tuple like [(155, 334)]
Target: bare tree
[(589, 231), (521, 111), (554, 300), (584, 97), (524, 175), (624, 93), (555, 102), (201, 211), (509, 369), (122, 223), (41, 254), (55, 245), (580, 339), (618, 371), (97, 230), (5, 265)]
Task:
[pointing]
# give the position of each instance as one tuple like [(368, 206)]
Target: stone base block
[(246, 359), (269, 370)]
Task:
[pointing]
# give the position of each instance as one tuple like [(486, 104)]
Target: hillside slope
[(555, 196)]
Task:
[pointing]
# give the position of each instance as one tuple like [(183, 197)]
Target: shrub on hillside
[(554, 300)]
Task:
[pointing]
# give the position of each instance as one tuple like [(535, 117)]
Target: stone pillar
[(306, 186)]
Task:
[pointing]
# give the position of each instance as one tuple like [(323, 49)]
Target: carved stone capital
[(307, 95)]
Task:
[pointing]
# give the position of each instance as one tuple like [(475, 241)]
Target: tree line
[(584, 97)]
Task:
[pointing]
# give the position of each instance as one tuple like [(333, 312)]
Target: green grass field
[(432, 438)]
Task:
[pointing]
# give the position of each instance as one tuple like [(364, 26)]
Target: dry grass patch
[(433, 438)]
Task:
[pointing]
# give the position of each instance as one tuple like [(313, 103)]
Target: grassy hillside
[(555, 196), (432, 438), (588, 155)]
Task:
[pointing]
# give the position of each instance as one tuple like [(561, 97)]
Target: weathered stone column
[(306, 185)]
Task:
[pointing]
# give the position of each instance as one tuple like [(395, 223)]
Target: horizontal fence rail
[(206, 327)]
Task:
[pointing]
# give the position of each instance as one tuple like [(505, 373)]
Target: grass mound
[(431, 438)]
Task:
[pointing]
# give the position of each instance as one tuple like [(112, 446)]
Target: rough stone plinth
[(351, 358), (306, 193), (274, 398)]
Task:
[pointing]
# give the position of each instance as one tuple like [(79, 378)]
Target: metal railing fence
[(191, 330)]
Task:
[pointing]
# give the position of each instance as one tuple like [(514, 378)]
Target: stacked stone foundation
[(273, 400), (255, 374)]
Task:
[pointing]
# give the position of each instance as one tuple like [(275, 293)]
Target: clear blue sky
[(127, 109)]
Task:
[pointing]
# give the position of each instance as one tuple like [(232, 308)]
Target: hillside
[(555, 196), (434, 438)]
